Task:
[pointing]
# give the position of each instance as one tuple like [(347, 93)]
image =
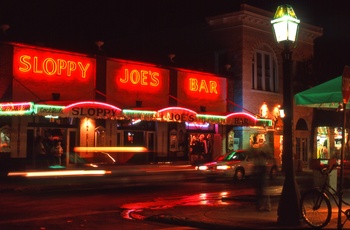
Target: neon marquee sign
[(48, 109), (241, 119), (50, 66), (140, 77), (201, 85), (176, 114), (31, 61), (16, 108), (92, 109), (238, 119)]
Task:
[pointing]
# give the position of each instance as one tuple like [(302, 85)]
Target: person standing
[(202, 148), (194, 144), (57, 152), (209, 141), (40, 154)]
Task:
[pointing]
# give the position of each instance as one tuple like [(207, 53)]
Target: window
[(221, 62), (134, 138), (264, 71), (301, 125)]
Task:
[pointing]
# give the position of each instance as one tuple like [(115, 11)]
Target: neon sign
[(50, 66), (194, 124), (140, 77), (48, 109), (203, 86), (241, 119), (139, 114), (238, 119), (219, 119), (33, 62), (264, 122), (143, 78), (176, 114), (91, 112), (93, 109), (16, 108), (198, 86)]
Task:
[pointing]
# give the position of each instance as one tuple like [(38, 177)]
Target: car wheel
[(273, 173), (239, 175)]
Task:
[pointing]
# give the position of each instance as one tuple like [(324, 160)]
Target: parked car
[(236, 165)]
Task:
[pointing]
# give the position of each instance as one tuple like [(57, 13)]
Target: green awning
[(325, 95)]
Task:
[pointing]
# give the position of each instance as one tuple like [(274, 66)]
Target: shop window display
[(257, 140), (134, 138), (329, 142), (5, 138)]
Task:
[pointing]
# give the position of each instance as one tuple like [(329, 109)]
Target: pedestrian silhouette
[(40, 154), (57, 152), (263, 202)]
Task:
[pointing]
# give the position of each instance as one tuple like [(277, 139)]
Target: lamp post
[(285, 27)]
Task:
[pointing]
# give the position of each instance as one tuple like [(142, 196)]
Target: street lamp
[(285, 27)]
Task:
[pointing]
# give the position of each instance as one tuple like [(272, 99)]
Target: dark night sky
[(124, 24)]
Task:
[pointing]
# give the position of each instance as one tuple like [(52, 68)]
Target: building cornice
[(260, 20)]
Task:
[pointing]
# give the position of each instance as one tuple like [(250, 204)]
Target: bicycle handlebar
[(326, 171)]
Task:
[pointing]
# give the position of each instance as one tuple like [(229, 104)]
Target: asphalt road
[(102, 207), (103, 202)]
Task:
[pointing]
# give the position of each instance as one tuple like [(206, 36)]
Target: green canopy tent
[(326, 95)]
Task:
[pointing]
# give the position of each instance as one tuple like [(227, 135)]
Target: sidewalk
[(238, 213), (235, 215)]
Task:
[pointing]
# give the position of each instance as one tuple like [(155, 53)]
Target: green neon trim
[(139, 111), (211, 116)]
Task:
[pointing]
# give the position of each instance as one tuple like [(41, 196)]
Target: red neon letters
[(50, 66), (203, 86), (142, 77)]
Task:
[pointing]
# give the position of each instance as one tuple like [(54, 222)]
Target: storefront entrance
[(51, 137)]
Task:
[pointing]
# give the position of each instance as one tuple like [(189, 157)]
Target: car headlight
[(202, 167), (223, 167)]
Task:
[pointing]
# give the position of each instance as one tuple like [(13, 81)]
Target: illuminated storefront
[(328, 133), (160, 109)]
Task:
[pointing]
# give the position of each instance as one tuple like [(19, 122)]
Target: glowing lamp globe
[(285, 24)]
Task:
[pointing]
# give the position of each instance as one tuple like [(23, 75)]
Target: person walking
[(263, 202)]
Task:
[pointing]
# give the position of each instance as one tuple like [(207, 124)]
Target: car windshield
[(235, 156)]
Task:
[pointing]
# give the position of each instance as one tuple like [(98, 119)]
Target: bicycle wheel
[(315, 208)]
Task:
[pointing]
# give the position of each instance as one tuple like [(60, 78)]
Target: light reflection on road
[(208, 199), (211, 199), (169, 202)]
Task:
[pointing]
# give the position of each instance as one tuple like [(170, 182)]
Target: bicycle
[(315, 204)]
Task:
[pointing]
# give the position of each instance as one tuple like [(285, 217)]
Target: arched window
[(301, 125), (264, 70)]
